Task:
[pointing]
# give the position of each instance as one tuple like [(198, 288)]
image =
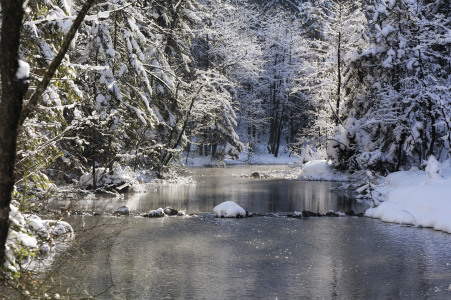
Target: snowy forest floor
[(195, 160)]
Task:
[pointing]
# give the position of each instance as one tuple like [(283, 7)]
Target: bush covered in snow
[(30, 236), (338, 146), (117, 178), (309, 153), (106, 177), (433, 168)]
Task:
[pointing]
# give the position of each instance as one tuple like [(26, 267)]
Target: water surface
[(262, 258), (212, 186), (203, 257)]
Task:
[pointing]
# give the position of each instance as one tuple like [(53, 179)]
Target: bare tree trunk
[(278, 136), (168, 158), (337, 118), (13, 91), (94, 177), (337, 108)]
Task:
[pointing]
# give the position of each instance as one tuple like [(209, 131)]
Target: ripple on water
[(320, 258)]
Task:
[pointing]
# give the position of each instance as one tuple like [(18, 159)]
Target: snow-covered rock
[(29, 235), (157, 213), (123, 210), (229, 209), (60, 228)]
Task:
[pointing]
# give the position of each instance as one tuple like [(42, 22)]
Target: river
[(202, 257)]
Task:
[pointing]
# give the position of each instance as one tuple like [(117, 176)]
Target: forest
[(368, 82), (144, 83)]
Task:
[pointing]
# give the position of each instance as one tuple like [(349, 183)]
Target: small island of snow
[(229, 209)]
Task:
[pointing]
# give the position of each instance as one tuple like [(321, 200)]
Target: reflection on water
[(213, 186), (262, 258), (253, 258)]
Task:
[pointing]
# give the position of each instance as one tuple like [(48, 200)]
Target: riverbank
[(418, 198), (414, 197), (284, 158)]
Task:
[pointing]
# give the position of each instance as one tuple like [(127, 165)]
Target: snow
[(29, 236), (321, 170), (156, 213), (23, 239), (284, 158), (267, 159), (418, 198), (23, 72), (104, 176), (433, 168), (229, 209), (387, 30), (316, 168)]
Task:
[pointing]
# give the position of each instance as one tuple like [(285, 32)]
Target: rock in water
[(229, 209), (157, 213), (255, 175), (170, 211), (123, 210)]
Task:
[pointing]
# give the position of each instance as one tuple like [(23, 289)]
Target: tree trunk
[(278, 136), (399, 151), (94, 177), (214, 149), (13, 91), (433, 130), (337, 108)]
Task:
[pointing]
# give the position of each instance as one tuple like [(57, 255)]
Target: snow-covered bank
[(321, 170), (244, 159), (118, 178), (30, 236), (419, 198)]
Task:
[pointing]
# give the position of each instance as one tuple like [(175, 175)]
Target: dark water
[(254, 258)]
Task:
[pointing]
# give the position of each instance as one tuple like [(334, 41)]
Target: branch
[(37, 95), (338, 142)]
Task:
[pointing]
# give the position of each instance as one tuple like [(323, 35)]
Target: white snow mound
[(229, 209), (321, 170), (419, 198)]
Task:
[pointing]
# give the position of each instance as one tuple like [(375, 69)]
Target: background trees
[(394, 122)]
